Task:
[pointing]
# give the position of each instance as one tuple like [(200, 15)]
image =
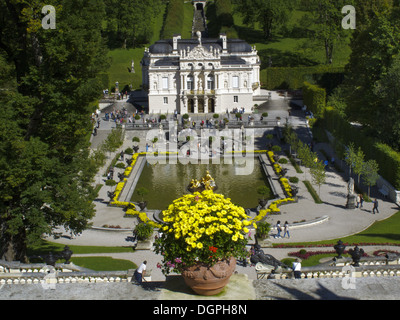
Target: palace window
[(210, 82), (165, 100), (235, 82), (235, 99), (165, 83), (189, 83)]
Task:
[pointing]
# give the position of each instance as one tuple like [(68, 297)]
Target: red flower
[(213, 249)]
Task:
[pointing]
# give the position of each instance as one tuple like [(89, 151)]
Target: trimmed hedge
[(294, 78), (173, 23), (314, 98), (387, 158)]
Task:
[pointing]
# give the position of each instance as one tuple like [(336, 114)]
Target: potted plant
[(262, 234), (136, 141), (142, 191), (265, 193), (144, 235), (203, 235)]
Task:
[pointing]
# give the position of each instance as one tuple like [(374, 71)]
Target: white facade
[(200, 75)]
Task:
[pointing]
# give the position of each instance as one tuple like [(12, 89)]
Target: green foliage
[(312, 191), (142, 191), (111, 182), (270, 14), (318, 174), (387, 158), (263, 229), (294, 180), (370, 174), (143, 231), (174, 18), (276, 148), (264, 191), (223, 11), (124, 21), (120, 165), (327, 17), (314, 98), (103, 263), (294, 77), (136, 139), (114, 140), (371, 76), (45, 167)]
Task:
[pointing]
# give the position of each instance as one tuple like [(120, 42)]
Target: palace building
[(200, 75)]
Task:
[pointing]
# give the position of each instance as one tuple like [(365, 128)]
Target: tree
[(371, 78), (327, 16), (270, 14), (359, 163), (386, 90), (46, 171), (370, 173), (318, 174), (130, 21), (350, 156)]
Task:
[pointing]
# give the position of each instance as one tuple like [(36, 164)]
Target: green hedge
[(387, 158), (174, 18), (293, 78), (314, 97)]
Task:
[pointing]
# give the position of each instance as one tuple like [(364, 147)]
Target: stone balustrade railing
[(39, 273), (368, 267)]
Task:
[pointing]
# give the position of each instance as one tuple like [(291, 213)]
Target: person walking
[(278, 229), (375, 208), (358, 201), (286, 229), (361, 200), (141, 272)]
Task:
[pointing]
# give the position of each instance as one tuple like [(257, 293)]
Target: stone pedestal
[(145, 244), (264, 243), (351, 201)]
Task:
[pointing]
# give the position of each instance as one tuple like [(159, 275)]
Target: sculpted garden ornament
[(203, 235), (339, 248)]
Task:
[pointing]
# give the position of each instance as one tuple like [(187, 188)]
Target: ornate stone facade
[(200, 75)]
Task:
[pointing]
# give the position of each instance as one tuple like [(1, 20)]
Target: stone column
[(196, 105), (205, 104)]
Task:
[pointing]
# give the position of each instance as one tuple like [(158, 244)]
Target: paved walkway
[(342, 222)]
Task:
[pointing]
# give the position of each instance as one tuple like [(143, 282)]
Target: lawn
[(290, 47), (380, 233), (103, 263)]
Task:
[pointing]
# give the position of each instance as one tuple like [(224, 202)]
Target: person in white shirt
[(297, 269), (140, 272)]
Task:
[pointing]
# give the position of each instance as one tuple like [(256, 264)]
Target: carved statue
[(206, 183), (260, 257), (350, 186)]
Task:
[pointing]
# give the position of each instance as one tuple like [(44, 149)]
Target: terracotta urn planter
[(209, 281)]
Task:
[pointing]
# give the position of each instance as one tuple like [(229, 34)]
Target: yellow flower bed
[(131, 208), (273, 208)]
